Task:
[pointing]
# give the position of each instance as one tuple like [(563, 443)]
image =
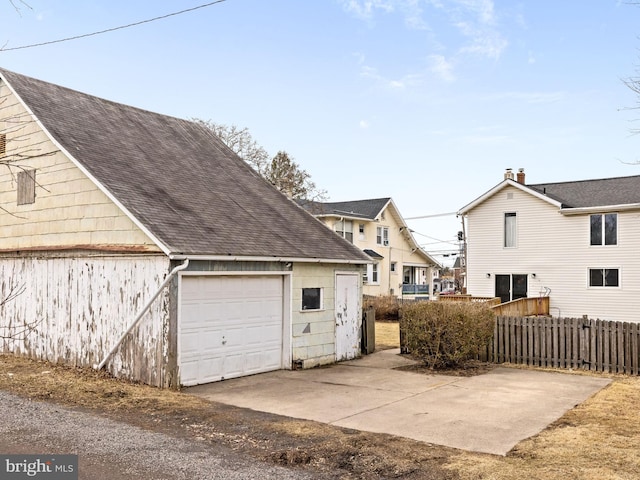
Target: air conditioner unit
[(386, 243), (365, 279)]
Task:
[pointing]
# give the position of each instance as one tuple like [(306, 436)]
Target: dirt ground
[(596, 440)]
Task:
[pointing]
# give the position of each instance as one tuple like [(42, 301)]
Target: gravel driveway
[(115, 450)]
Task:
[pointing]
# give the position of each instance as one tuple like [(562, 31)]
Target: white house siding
[(81, 305), (69, 209), (313, 332), (556, 248)]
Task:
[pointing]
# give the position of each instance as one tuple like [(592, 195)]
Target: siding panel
[(78, 308)]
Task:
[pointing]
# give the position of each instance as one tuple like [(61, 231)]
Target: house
[(113, 215), (572, 241), (400, 267)]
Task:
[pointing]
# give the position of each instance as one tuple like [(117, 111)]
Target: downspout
[(141, 313)]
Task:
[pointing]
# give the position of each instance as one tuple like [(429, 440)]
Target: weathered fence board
[(578, 343)]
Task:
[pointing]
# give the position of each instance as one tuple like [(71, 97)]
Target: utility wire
[(112, 29)]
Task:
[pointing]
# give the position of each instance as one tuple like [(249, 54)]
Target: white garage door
[(229, 327)]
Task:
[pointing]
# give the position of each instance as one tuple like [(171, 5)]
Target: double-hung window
[(382, 236), (344, 228), (510, 230), (604, 229)]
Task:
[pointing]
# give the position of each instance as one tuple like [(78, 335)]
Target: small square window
[(26, 187), (311, 299), (393, 267)]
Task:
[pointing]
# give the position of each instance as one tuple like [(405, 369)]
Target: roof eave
[(240, 258), (600, 209)]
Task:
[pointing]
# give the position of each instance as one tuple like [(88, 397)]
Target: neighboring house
[(400, 267), (101, 203), (573, 241)]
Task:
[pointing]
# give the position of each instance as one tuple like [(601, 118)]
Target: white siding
[(81, 306), (556, 248)]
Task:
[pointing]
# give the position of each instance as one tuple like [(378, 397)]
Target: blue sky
[(425, 101)]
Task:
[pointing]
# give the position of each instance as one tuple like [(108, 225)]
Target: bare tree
[(241, 142), (281, 171), (21, 331), (287, 176)]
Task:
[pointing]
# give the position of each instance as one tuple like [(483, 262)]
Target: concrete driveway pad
[(487, 413)]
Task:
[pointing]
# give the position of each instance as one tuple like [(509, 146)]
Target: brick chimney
[(520, 176), (508, 174)]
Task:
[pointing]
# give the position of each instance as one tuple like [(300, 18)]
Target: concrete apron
[(487, 413)]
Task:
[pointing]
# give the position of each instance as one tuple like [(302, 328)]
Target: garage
[(229, 326)]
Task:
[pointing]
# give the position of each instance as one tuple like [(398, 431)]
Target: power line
[(432, 216), (112, 29)]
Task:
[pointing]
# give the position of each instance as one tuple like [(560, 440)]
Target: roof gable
[(177, 178), (369, 209)]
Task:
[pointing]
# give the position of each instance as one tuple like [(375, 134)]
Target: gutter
[(230, 258), (600, 209), (141, 313)]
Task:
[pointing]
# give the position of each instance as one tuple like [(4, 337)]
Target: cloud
[(364, 124), (442, 68), (477, 21), (366, 9)]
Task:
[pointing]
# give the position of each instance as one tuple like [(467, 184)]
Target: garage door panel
[(229, 327)]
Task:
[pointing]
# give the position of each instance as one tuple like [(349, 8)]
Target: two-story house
[(400, 266), (573, 241)]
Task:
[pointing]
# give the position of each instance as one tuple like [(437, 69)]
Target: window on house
[(604, 229), (382, 236), (394, 266), (344, 228), (3, 143), (604, 277), (374, 273), (361, 231), (26, 187), (311, 299), (510, 230)]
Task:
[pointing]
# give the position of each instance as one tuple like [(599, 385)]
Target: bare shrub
[(387, 306), (444, 335)]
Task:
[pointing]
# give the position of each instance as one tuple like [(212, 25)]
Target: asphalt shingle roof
[(179, 179), (365, 209), (593, 193)]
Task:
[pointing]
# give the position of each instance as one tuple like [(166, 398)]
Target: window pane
[(311, 299), (596, 277), (510, 229), (611, 277), (379, 235), (374, 274), (611, 229), (596, 229)]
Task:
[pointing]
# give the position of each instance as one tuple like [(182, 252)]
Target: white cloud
[(365, 9), (532, 59), (364, 124), (441, 67)]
